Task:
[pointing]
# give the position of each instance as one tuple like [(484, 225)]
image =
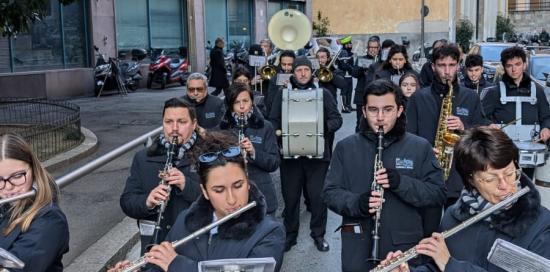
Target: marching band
[(418, 185)]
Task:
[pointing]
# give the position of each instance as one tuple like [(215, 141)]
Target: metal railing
[(533, 6), (50, 126), (91, 166)]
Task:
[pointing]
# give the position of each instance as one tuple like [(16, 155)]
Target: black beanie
[(302, 61)]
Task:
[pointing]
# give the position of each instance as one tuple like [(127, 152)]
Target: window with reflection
[(132, 30), (73, 27)]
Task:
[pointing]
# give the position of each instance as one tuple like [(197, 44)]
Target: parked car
[(539, 68)]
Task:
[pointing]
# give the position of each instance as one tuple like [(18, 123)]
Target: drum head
[(529, 146)]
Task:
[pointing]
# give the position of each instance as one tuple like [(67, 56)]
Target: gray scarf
[(184, 147)]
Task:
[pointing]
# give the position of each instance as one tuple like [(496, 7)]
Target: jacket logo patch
[(210, 115), (403, 163), (462, 111), (255, 139)]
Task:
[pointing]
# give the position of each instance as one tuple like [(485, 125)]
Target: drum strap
[(518, 99)]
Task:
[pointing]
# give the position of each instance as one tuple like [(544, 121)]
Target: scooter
[(107, 75), (165, 70), (129, 69)]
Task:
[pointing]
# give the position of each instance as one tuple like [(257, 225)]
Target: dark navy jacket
[(526, 224), (364, 77), (333, 119), (209, 111), (251, 235), (351, 173), (499, 113), (423, 111), (267, 158), (389, 72), (42, 246), (480, 88), (144, 178)]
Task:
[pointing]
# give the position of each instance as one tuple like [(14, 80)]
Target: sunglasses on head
[(230, 152)]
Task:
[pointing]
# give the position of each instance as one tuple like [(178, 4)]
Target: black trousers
[(295, 174), (347, 92)]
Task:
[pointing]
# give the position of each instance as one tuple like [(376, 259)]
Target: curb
[(108, 250), (87, 147)]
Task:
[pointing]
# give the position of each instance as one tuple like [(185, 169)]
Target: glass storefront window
[(73, 27), (166, 24), (4, 55), (275, 5), (215, 20), (239, 21), (42, 47), (131, 24)]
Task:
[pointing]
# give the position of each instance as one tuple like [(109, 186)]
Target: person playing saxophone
[(486, 159), (143, 192), (424, 118), (410, 177)]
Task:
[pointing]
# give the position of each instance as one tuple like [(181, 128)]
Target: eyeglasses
[(374, 111), (509, 178), (16, 179), (198, 89), (242, 81), (210, 157)]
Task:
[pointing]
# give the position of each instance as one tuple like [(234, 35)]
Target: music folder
[(513, 258), (238, 265), (8, 260)]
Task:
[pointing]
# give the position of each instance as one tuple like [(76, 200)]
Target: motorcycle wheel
[(163, 82), (149, 81), (97, 88), (133, 86)]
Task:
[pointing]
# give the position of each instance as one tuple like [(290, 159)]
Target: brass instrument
[(445, 139), (142, 260), (325, 74), (375, 250), (267, 71), (162, 205), (411, 253), (289, 29)]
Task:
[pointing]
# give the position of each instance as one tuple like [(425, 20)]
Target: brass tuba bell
[(289, 29)]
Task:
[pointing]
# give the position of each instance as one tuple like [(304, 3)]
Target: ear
[(364, 110), (204, 193), (399, 111)]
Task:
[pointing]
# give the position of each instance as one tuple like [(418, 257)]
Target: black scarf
[(181, 148)]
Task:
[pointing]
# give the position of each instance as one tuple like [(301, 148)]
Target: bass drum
[(531, 154), (542, 182)]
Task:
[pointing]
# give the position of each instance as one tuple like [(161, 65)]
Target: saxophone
[(162, 205), (375, 250), (445, 140)]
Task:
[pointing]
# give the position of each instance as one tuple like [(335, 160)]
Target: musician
[(34, 229), (395, 65), (143, 193), (259, 142), (487, 161), (516, 82), (218, 72), (345, 63), (409, 84), (338, 81), (475, 78), (286, 61), (241, 75), (364, 71), (311, 172), (424, 106), (209, 108), (427, 72), (411, 178), (225, 188)]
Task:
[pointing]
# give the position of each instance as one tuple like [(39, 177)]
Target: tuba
[(325, 74), (375, 249), (289, 29), (445, 140)]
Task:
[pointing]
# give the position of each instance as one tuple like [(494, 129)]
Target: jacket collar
[(440, 88), (524, 85), (471, 85), (397, 132), (309, 84), (194, 103), (256, 121), (200, 214), (514, 221), (157, 152)]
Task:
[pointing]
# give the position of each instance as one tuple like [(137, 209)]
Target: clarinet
[(411, 253), (375, 250), (241, 124), (162, 205)]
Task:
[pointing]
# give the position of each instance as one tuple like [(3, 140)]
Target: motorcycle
[(165, 69), (130, 69), (107, 74)]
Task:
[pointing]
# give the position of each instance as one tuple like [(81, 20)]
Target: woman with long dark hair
[(396, 65), (34, 229)]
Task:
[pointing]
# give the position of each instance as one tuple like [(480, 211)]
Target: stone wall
[(530, 21)]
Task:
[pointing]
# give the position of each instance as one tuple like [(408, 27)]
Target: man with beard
[(474, 78), (410, 178), (286, 60), (423, 112), (364, 72), (143, 193), (295, 173), (209, 108)]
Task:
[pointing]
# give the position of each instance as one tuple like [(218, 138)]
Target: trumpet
[(411, 253), (164, 203), (375, 250), (325, 74), (142, 260)]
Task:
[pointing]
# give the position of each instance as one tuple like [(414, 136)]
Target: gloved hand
[(364, 202), (394, 178)]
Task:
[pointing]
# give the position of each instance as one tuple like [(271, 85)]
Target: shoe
[(345, 109), (289, 244), (321, 244)]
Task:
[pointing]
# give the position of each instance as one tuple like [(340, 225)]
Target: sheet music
[(256, 61), (314, 63), (238, 265), (282, 78), (513, 258), (364, 62)]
